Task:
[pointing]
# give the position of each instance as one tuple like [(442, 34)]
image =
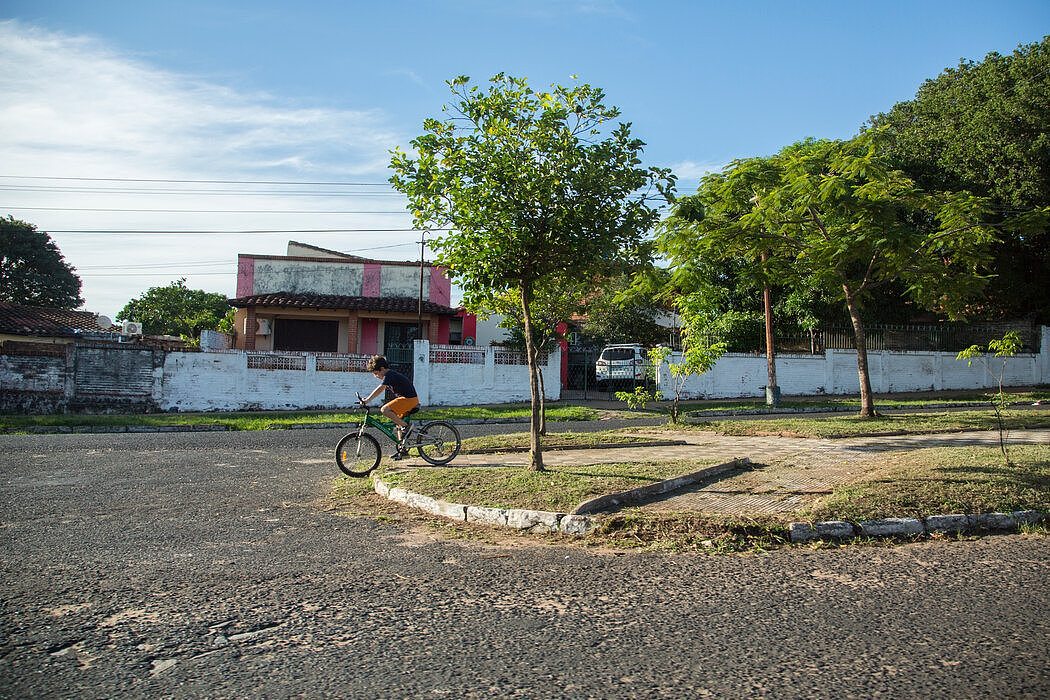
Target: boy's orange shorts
[(401, 405)]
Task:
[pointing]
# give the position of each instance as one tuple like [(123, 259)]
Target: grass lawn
[(559, 489), (853, 402), (270, 420), (490, 443), (943, 480), (840, 426)]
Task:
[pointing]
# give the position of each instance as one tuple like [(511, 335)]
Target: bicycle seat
[(414, 410)]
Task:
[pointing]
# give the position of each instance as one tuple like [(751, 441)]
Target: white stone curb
[(905, 527), (538, 521)]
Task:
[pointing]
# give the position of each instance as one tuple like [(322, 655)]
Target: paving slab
[(787, 473)]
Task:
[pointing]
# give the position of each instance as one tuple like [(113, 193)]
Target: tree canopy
[(32, 269), (532, 185), (833, 216), (984, 127), (178, 310)]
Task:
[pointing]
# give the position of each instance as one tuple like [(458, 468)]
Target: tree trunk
[(535, 447), (543, 399), (867, 402), (772, 390)]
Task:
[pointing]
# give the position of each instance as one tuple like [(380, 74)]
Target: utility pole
[(419, 309)]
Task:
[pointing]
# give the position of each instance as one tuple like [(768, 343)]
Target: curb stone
[(904, 527), (597, 505), (516, 518)]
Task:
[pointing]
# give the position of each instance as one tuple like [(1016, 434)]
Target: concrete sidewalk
[(787, 473)]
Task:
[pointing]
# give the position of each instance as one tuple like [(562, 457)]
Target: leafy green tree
[(619, 311), (533, 185), (985, 127), (834, 216), (1002, 349), (698, 356), (557, 300), (178, 310), (32, 269)]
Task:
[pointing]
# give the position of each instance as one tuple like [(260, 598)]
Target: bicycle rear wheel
[(357, 455), (438, 442)]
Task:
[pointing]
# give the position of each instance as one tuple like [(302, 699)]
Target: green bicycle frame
[(383, 426)]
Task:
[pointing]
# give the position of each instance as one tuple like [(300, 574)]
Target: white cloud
[(691, 171), (70, 106), (83, 106)]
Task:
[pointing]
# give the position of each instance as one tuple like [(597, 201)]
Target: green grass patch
[(848, 426), (853, 402), (269, 420), (559, 489), (489, 443), (942, 480)]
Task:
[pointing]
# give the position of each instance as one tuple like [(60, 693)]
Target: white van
[(621, 363)]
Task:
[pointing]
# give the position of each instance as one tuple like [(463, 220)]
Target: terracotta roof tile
[(40, 321), (336, 301)]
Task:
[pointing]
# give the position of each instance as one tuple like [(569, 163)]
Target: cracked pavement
[(214, 565)]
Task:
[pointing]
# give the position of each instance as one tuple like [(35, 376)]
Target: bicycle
[(358, 453)]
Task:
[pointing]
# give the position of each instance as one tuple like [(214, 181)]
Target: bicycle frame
[(383, 426)]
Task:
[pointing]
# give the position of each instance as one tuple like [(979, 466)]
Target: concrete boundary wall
[(835, 372), (232, 381)]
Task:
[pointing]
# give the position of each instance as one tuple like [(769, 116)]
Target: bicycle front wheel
[(438, 442), (357, 455)]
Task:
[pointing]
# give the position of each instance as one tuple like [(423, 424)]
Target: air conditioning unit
[(131, 328)]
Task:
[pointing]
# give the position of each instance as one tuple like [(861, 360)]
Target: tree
[(32, 269), (832, 215), (533, 185), (698, 357), (178, 310), (1003, 349), (619, 311), (985, 127), (556, 301)]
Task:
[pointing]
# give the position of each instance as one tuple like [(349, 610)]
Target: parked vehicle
[(621, 363)]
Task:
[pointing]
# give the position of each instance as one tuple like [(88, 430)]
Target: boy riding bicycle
[(401, 386)]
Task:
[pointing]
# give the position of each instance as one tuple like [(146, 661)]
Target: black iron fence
[(944, 337), (581, 380)]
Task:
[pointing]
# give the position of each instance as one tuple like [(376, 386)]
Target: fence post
[(1044, 356), (421, 369)]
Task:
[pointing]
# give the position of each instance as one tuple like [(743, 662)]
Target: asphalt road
[(193, 565)]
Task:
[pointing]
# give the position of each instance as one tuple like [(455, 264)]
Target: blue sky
[(320, 91)]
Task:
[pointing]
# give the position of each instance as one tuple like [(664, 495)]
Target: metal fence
[(581, 382), (946, 337)]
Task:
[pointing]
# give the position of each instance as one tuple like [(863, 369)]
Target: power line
[(65, 189), (168, 232), (210, 263), (199, 211), (208, 182)]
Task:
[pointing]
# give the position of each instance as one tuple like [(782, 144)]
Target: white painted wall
[(207, 381), (223, 381), (455, 384), (489, 331), (835, 372)]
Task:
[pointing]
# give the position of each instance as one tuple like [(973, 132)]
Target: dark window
[(618, 354), (306, 335)]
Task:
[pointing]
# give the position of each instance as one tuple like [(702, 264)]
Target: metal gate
[(580, 382)]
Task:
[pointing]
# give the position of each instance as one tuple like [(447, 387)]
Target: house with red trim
[(319, 300)]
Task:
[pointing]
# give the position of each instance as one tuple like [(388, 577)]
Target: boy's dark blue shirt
[(399, 384)]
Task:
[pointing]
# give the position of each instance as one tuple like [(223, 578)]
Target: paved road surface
[(208, 565)]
